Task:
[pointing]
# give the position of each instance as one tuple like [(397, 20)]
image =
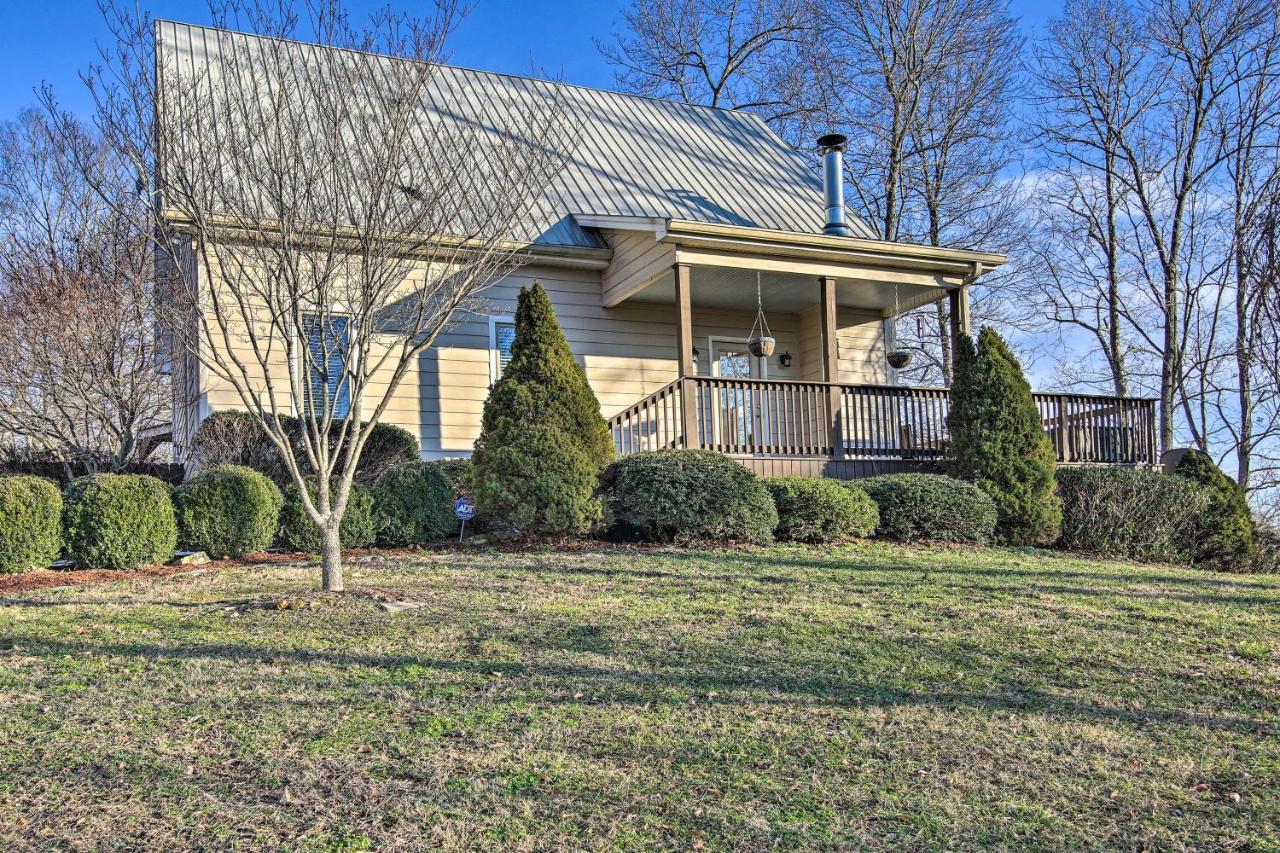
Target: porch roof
[(725, 261)]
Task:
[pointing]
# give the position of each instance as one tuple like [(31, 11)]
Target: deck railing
[(765, 417)]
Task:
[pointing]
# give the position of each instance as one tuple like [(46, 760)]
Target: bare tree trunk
[(1244, 373), (1171, 359), (1115, 346), (331, 556), (944, 337)]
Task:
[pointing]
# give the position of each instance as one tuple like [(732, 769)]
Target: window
[(502, 334), (329, 342)]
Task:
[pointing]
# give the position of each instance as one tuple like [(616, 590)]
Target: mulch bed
[(45, 578)]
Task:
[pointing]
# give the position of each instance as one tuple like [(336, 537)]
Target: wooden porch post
[(684, 357), (830, 357)]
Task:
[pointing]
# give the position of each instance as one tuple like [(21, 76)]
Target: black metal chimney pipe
[(832, 148)]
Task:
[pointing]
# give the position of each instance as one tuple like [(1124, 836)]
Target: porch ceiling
[(785, 292)]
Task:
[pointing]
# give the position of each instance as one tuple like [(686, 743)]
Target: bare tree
[(1261, 283), (79, 353), (738, 54), (1087, 72), (928, 90), (1200, 54), (335, 209), (1252, 128)]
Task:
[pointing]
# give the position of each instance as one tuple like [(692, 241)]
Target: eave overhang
[(701, 243)]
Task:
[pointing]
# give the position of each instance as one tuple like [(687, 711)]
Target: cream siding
[(628, 352)]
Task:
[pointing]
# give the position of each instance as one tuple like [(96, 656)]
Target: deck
[(849, 431)]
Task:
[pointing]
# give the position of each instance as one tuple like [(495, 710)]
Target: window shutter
[(329, 350), (504, 335)]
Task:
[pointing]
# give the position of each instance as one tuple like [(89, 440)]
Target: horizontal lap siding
[(627, 352), (860, 347)]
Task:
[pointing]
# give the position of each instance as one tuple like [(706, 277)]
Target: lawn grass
[(868, 695)]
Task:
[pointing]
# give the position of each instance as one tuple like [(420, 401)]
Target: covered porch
[(826, 402)]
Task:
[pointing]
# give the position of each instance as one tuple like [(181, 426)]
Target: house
[(658, 242)]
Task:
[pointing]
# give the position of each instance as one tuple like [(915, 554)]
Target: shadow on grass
[(1035, 580), (803, 685)]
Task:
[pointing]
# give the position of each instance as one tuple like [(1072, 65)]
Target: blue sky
[(51, 41)]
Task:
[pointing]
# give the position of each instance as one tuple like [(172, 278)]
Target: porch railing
[(763, 417)]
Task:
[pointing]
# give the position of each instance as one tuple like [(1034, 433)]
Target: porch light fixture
[(899, 357), (784, 359), (762, 342)]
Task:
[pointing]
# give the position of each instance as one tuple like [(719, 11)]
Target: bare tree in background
[(1261, 282), (1246, 404), (925, 91), (1086, 71), (1201, 53), (928, 90), (1159, 127), (337, 214), (79, 354), (737, 54)]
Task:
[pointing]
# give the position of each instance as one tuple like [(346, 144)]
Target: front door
[(737, 408)]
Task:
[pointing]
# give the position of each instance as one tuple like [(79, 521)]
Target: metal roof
[(634, 156)]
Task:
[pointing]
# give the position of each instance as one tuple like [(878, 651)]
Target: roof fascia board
[(657, 225), (857, 270), (581, 257), (880, 252)]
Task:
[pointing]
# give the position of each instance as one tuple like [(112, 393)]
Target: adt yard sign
[(464, 509)]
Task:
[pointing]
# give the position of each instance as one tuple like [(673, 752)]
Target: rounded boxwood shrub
[(815, 509), (228, 510), (30, 523), (1229, 539), (457, 472), (687, 496), (916, 507), (299, 533), (413, 503), (119, 521), (1131, 512)]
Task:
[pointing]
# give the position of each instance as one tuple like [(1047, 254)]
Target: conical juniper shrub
[(30, 523), (999, 443), (542, 441), (1228, 538)]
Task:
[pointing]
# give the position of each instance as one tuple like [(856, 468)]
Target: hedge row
[(684, 496), (690, 496), (122, 521), (696, 495)]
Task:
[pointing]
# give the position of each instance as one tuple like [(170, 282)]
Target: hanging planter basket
[(762, 342), (762, 346), (898, 358)]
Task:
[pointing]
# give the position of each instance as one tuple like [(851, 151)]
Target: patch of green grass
[(862, 696)]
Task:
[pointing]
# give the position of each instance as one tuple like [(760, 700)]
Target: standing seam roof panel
[(634, 156)]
